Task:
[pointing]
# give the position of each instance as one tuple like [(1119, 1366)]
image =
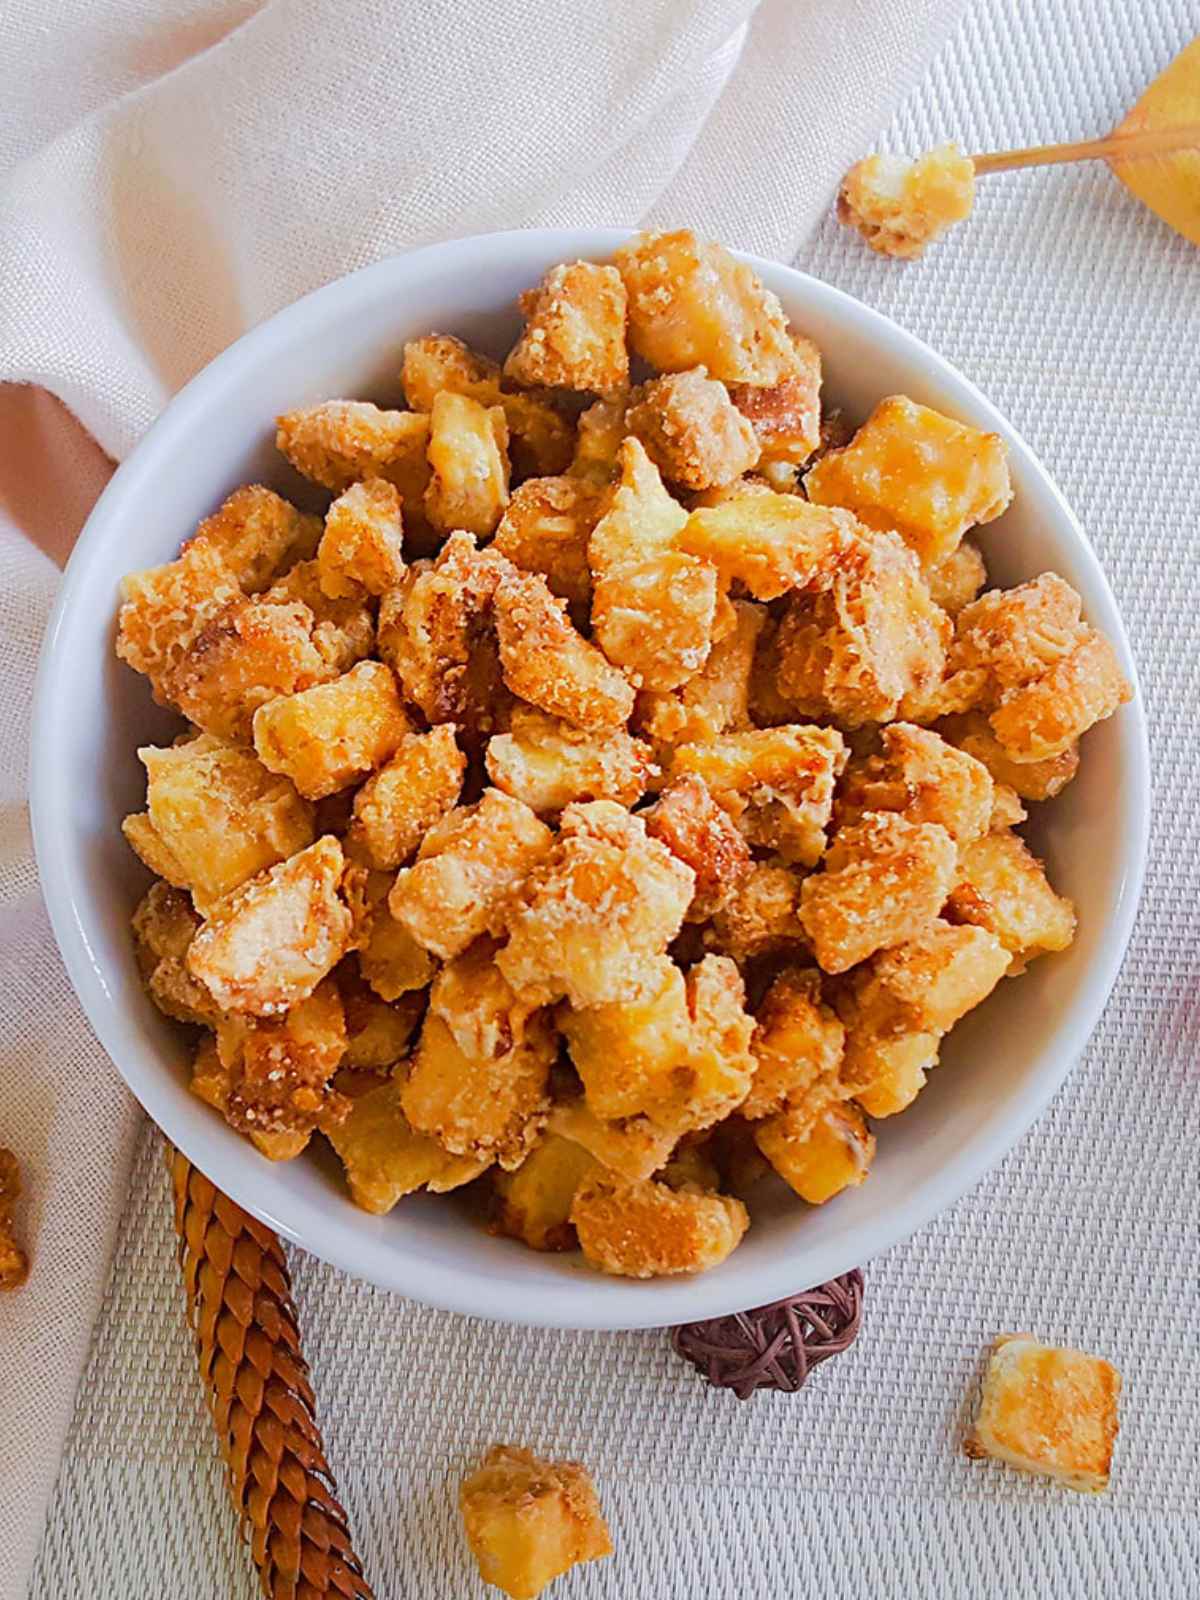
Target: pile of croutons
[(615, 792)]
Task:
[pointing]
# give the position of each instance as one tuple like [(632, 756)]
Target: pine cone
[(256, 1381)]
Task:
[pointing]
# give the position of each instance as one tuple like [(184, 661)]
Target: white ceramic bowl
[(1000, 1067)]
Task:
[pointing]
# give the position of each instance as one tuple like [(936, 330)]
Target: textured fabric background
[(1080, 315)]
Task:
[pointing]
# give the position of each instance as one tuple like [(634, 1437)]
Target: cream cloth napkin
[(171, 173)]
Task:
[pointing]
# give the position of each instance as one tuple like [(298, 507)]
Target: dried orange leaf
[(1168, 184)]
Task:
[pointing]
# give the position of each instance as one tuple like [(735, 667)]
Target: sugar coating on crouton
[(163, 609), (857, 649), (649, 1230), (900, 206), (776, 783), (389, 957), (386, 1158), (325, 737), (398, 804), (1031, 780), (882, 880), (485, 1106), (574, 336), (919, 473), (653, 606), (1050, 1411), (528, 1521), (343, 627), (693, 304), (1002, 886), (548, 663), (923, 778), (785, 415), (485, 1015), (956, 581), (605, 897), (798, 1043), (714, 699), (361, 548), (549, 763), (271, 942), (546, 527), (770, 543), (259, 535), (467, 869), (762, 917), (340, 442), (468, 465), (631, 1147), (220, 815), (697, 830), (817, 1155), (691, 429)]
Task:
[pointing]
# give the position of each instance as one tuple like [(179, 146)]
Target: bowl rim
[(448, 1286)]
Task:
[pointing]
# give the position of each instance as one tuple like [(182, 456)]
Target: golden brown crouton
[(487, 1106), (534, 1202), (693, 304), (798, 1043), (692, 430), (546, 527), (701, 834), (588, 916), (1048, 1411), (649, 1230), (386, 1158), (549, 763), (325, 737), (919, 473), (574, 334), (776, 783), (528, 1521), (259, 535), (817, 1155), (548, 663), (220, 815), (858, 649), (883, 880), (468, 461), (466, 871), (398, 805), (361, 547), (271, 942)]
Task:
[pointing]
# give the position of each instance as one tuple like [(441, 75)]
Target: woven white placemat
[(1079, 314)]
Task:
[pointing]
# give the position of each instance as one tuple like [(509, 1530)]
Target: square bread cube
[(325, 737), (468, 461), (574, 334), (692, 430), (918, 472), (528, 1521), (1049, 1411)]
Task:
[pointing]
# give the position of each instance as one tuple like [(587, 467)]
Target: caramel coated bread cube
[(776, 783), (386, 1158), (533, 1203), (603, 900), (1002, 886), (395, 808), (549, 764), (546, 527), (785, 416), (770, 543), (268, 945), (327, 736), (692, 304), (341, 442), (468, 462), (692, 431), (798, 1043), (467, 869), (1048, 1411), (361, 549), (918, 472), (817, 1155), (259, 535), (701, 834), (923, 778), (883, 879), (574, 334), (546, 662), (649, 1230), (900, 206), (528, 1521)]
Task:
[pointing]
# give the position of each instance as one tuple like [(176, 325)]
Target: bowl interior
[(999, 1067)]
